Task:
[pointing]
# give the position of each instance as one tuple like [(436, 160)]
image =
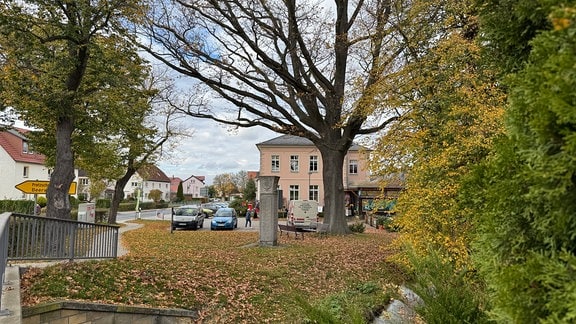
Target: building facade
[(20, 163), (193, 187), (298, 163), (146, 179)]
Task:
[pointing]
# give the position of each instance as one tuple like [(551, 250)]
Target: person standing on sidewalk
[(248, 218)]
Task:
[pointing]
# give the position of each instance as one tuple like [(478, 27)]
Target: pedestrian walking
[(248, 218)]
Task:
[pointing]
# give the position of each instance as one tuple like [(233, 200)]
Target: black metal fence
[(4, 219), (41, 238), (26, 237)]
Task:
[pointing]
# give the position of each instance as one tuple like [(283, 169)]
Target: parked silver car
[(187, 217)]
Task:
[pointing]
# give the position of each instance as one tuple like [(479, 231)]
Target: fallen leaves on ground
[(223, 275)]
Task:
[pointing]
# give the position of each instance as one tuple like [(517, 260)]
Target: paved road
[(164, 214), (145, 214)]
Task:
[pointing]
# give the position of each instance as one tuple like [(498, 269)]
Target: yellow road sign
[(40, 187)]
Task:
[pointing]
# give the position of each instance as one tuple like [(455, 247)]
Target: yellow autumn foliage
[(450, 123)]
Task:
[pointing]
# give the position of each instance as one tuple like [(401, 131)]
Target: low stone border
[(79, 312)]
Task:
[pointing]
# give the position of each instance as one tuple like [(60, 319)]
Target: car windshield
[(224, 213), (187, 211)]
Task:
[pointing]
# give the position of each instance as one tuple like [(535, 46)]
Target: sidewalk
[(127, 227)]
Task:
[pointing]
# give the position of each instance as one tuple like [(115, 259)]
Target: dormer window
[(25, 148)]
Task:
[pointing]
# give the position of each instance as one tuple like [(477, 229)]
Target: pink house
[(298, 163), (191, 187)]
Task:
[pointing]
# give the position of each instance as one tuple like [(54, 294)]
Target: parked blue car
[(224, 218)]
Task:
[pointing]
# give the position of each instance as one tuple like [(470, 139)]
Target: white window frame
[(294, 163), (294, 192), (313, 163), (314, 192), (26, 172), (275, 163), (353, 167)]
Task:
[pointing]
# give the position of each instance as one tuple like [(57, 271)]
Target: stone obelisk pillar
[(268, 210)]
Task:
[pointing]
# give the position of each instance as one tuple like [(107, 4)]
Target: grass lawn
[(227, 279)]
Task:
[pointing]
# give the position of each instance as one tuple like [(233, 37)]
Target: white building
[(19, 163), (145, 180)]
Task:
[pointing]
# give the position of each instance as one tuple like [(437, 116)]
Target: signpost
[(40, 187)]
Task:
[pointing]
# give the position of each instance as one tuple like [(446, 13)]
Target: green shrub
[(103, 203), (357, 227), (349, 306), (449, 295), (388, 223), (42, 201), (74, 202), (127, 206), (17, 206)]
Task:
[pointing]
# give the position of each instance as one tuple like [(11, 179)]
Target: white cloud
[(213, 149)]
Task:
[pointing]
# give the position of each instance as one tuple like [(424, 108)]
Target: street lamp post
[(309, 173)]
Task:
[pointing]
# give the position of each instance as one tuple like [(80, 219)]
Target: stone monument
[(268, 210)]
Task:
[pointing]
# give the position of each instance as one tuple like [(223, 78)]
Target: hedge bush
[(17, 206)]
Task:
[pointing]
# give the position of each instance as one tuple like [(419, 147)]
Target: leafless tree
[(321, 70)]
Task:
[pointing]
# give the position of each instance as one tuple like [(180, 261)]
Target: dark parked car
[(224, 218), (211, 206), (187, 217)]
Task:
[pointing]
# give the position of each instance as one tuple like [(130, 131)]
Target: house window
[(275, 163), (294, 192), (25, 172), (134, 184), (294, 167), (313, 192), (353, 167), (313, 163), (84, 181), (25, 147)]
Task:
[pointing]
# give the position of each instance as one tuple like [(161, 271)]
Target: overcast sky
[(213, 149)]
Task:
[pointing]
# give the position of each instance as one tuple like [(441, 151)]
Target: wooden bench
[(291, 228)]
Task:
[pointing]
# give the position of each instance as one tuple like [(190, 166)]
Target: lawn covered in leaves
[(227, 277)]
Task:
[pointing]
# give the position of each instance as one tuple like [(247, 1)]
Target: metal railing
[(4, 218), (26, 237), (41, 238)]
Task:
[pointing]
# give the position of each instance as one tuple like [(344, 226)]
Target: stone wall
[(88, 313)]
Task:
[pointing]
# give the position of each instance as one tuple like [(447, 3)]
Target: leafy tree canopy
[(327, 73)]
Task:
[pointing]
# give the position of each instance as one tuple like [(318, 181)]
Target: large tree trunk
[(334, 212), (119, 194), (63, 174)]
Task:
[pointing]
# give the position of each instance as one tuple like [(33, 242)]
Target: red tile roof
[(153, 173), (12, 142)]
